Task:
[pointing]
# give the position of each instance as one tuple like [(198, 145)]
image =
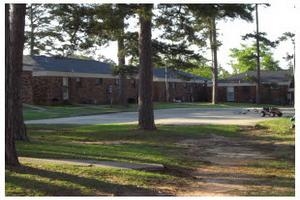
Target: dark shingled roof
[(266, 77), (62, 64)]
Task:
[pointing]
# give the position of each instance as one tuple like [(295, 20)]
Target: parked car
[(271, 111)]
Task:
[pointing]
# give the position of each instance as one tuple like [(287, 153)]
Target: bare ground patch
[(227, 169)]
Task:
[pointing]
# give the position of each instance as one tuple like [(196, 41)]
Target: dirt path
[(226, 171)]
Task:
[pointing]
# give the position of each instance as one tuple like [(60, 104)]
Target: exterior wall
[(26, 90), (185, 92), (93, 91), (274, 94), (222, 97), (247, 94), (47, 90)]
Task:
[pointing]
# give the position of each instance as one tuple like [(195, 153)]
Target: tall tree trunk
[(121, 62), (146, 115), (11, 157), (14, 44), (214, 49), (257, 59), (167, 85), (32, 30)]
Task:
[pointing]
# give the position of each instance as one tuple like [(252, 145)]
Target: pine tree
[(108, 23), (207, 15), (40, 35), (290, 57), (178, 32), (145, 104), (73, 21), (14, 44)]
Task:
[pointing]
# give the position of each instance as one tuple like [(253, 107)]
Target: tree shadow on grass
[(100, 187), (40, 187)]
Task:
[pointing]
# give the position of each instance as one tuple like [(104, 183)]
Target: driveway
[(188, 116)]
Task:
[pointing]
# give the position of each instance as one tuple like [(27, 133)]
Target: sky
[(274, 20)]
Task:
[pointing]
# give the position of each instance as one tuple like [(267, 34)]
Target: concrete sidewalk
[(103, 164)]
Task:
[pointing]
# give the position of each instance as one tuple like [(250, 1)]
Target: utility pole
[(257, 58)]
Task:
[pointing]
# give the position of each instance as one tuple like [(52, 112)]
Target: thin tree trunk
[(167, 85), (214, 49), (121, 62), (257, 59), (146, 115), (14, 44)]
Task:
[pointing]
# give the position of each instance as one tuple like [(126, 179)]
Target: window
[(174, 85), (65, 81), (99, 81), (132, 83), (65, 88), (117, 81), (230, 94), (78, 82), (109, 89)]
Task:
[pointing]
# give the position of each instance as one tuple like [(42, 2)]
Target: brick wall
[(247, 94), (274, 94), (26, 91), (186, 92), (99, 91), (49, 90)]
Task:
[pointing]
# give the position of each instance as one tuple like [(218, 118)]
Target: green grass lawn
[(126, 143), (46, 112)]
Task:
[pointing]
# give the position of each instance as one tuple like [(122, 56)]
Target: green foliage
[(128, 70), (262, 37), (290, 57), (223, 73), (175, 56), (40, 33), (244, 59), (203, 71), (73, 20)]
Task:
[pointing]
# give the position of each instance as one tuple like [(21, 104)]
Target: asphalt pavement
[(178, 116)]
